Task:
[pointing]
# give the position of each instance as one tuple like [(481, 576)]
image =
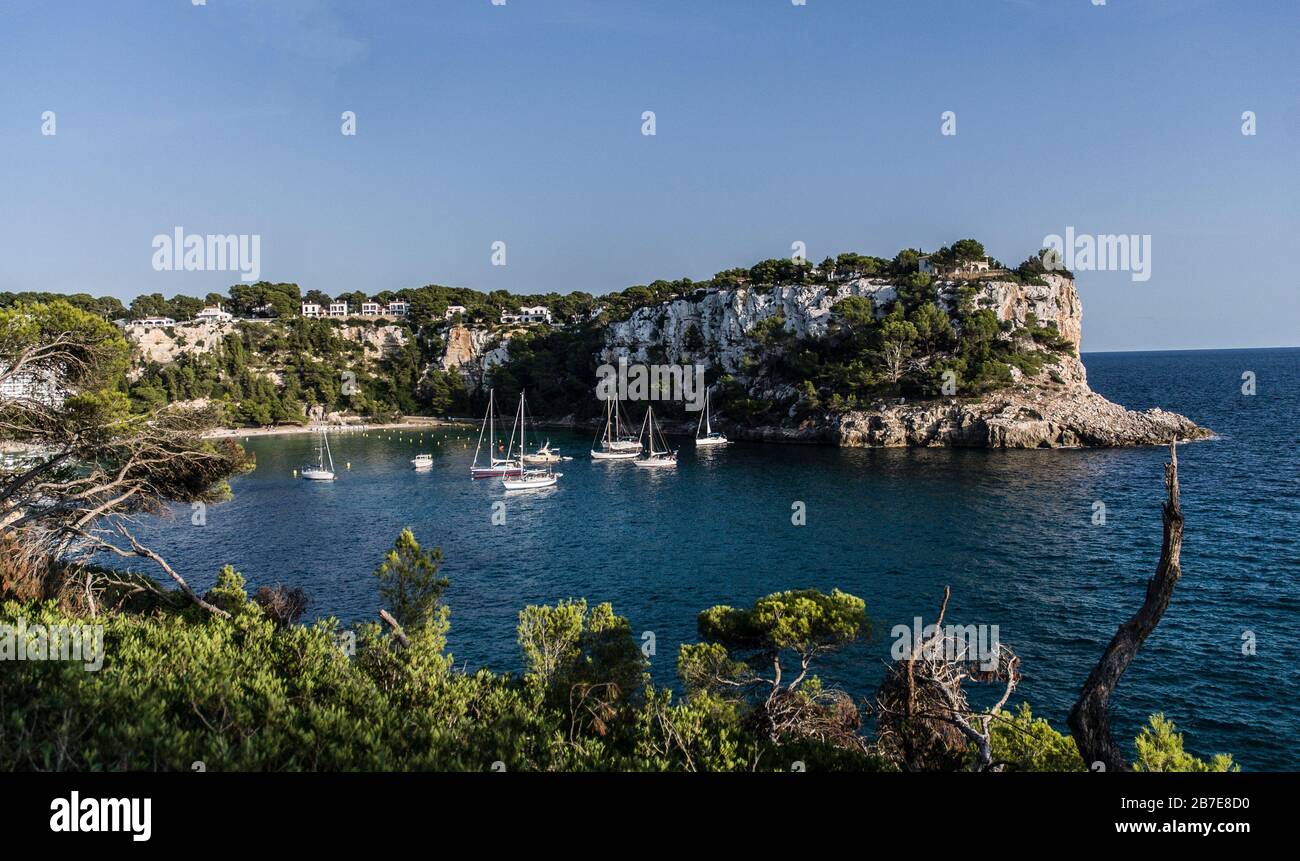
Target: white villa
[(154, 322), (213, 314), (452, 311), (535, 314), (343, 309)]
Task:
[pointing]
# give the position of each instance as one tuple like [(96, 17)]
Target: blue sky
[(775, 123)]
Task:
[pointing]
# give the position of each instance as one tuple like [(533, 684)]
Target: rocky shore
[(1026, 417)]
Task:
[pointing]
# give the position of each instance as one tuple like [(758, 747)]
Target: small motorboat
[(422, 461), (545, 454)]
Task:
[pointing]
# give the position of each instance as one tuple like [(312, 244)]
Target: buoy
[(295, 473), (349, 464)]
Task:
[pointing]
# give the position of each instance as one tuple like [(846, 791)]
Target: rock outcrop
[(1022, 417), (162, 346)]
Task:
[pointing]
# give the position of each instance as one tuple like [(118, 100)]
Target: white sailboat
[(527, 479), (710, 436), (612, 444), (496, 466), (654, 457), (320, 472)]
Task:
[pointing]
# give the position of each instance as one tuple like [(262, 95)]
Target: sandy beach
[(407, 423)]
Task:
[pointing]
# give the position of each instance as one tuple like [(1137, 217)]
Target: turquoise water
[(1010, 532)]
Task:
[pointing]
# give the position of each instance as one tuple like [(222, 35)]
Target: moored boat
[(495, 466), (526, 479), (611, 444), (320, 472), (709, 436), (653, 457)]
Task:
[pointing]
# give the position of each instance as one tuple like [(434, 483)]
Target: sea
[(1053, 547)]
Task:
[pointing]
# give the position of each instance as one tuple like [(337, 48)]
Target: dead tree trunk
[(1089, 720)]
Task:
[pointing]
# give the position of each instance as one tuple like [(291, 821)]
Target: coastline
[(408, 423)]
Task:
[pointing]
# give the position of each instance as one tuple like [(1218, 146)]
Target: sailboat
[(612, 444), (527, 479), (654, 457), (320, 472), (496, 466), (710, 436)]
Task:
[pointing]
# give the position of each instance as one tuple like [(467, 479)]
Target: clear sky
[(775, 123)]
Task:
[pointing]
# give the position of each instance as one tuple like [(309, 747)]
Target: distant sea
[(1011, 532)]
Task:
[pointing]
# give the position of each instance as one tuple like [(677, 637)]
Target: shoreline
[(408, 423)]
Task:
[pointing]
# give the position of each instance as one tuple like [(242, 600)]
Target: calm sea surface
[(1010, 532)]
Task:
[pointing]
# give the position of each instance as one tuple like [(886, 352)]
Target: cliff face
[(722, 320), (162, 346), (473, 352)]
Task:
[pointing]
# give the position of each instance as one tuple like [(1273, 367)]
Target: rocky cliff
[(1051, 407)]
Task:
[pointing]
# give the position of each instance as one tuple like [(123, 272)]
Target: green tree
[(410, 586), (1160, 748)]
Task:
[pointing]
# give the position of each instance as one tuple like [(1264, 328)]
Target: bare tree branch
[(1089, 720)]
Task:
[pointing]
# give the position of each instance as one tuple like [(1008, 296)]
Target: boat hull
[(613, 455), (494, 471), (653, 462), (317, 475), (707, 441), (531, 483)]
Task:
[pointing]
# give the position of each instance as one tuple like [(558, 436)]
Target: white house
[(452, 311), (213, 314), (154, 322), (370, 309), (535, 314), (310, 309), (399, 309), (338, 309)]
